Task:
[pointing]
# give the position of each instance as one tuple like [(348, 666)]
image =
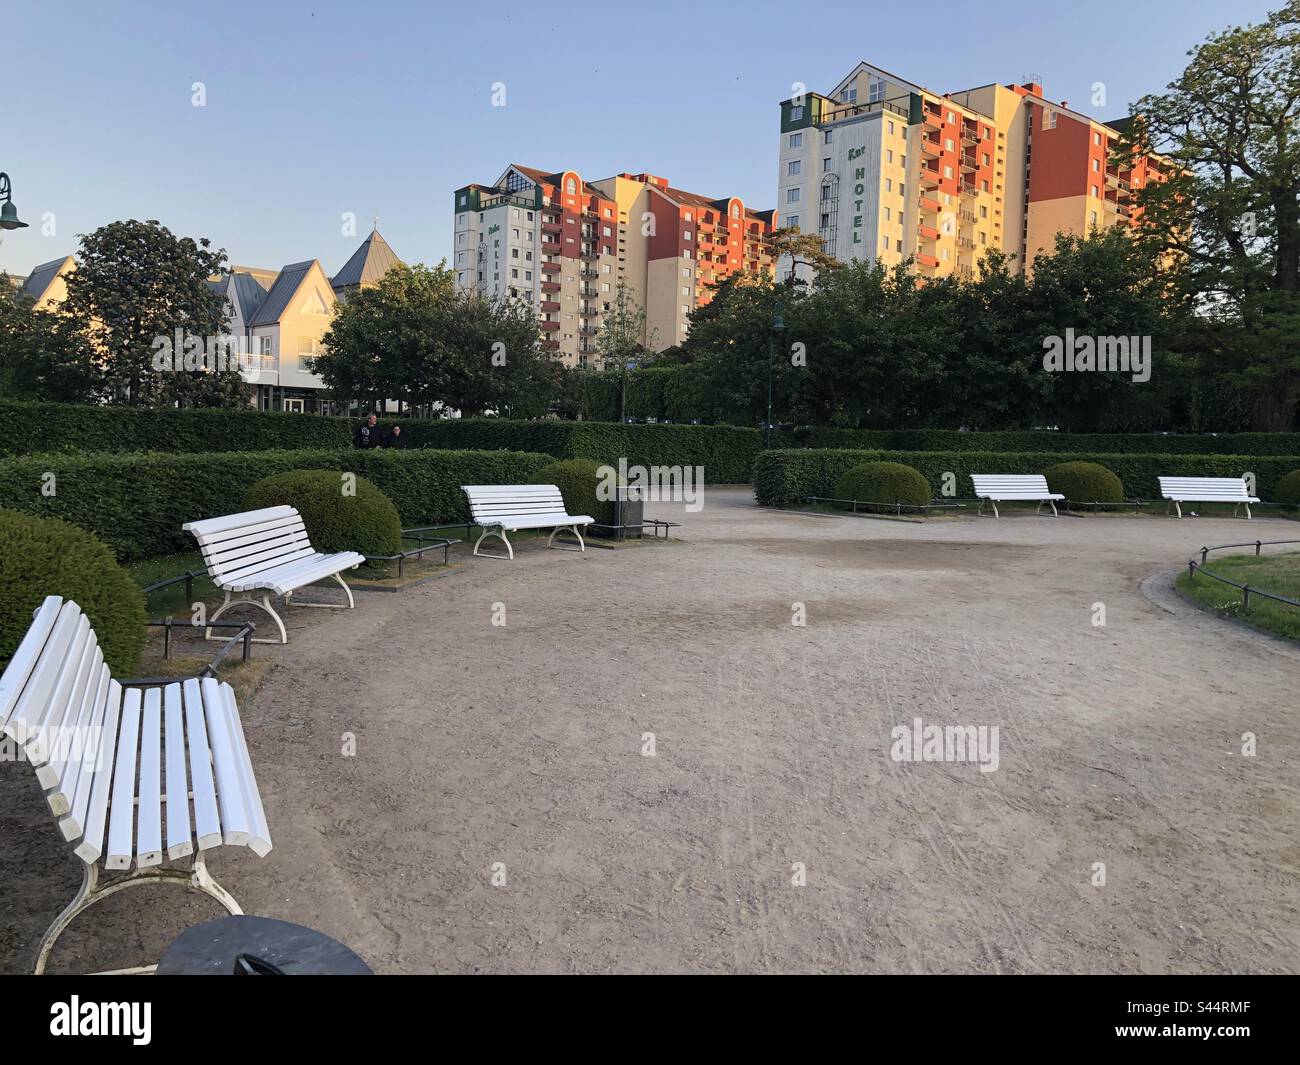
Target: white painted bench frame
[(266, 550), (1179, 490), (148, 775), (502, 508), (995, 488)]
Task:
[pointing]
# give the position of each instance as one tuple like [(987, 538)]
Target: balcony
[(550, 286), (588, 311), (588, 330), (550, 306), (969, 137), (930, 146), (968, 218), (927, 232), (929, 178), (969, 190), (927, 260), (968, 164), (550, 266), (551, 345), (551, 247), (932, 119), (587, 274), (549, 326), (549, 226), (590, 252), (929, 203)]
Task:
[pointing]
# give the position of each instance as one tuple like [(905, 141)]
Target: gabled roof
[(286, 286), (40, 279), (249, 292), (551, 177), (368, 264)]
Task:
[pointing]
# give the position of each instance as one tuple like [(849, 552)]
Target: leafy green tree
[(414, 338), (42, 356), (623, 340), (1231, 122), (136, 282)]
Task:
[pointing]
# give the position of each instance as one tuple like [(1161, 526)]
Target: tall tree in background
[(136, 282), (623, 341), (1232, 119), (414, 338), (42, 356)]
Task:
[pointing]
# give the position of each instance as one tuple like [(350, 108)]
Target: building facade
[(565, 245), (887, 170)]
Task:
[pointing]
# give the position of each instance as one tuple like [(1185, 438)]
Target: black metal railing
[(1194, 567)]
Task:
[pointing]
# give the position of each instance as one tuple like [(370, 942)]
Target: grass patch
[(1277, 573)]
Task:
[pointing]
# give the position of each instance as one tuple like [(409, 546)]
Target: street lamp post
[(778, 324), (8, 213)]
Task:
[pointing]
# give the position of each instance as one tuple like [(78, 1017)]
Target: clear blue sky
[(315, 108)]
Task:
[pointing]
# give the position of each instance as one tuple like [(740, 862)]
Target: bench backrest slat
[(91, 846), (236, 546), (33, 703), (1204, 489), (64, 740), (490, 503), (78, 780), (28, 653), (1010, 482)]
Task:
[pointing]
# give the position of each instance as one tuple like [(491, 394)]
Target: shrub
[(725, 452), (138, 502), (1287, 490), (46, 556), (577, 480), (1084, 482), (884, 482), (364, 520), (787, 477)]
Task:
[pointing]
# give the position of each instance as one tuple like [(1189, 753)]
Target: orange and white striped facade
[(565, 244), (884, 169)]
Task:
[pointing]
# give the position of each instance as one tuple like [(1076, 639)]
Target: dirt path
[(522, 745)]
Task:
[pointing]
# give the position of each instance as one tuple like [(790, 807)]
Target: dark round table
[(249, 944)]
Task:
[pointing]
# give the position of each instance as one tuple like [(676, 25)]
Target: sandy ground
[(523, 745)]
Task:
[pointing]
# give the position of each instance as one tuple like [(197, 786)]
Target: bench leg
[(246, 600), (498, 532), (1248, 512), (290, 601), (567, 528), (994, 504), (196, 878), (1178, 507)]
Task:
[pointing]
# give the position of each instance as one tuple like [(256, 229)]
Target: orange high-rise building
[(887, 170)]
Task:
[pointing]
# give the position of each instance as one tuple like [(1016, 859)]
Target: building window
[(1096, 138), (1049, 119), (791, 195), (1096, 166), (875, 90), (826, 165), (1092, 217), (796, 113), (888, 215), (889, 184), (1092, 191), (265, 345), (793, 167), (792, 221), (828, 136), (884, 243), (947, 143), (796, 140)]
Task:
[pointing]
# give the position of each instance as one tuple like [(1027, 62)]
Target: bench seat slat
[(207, 819), (148, 833), (295, 574), (236, 818), (121, 810), (179, 841)]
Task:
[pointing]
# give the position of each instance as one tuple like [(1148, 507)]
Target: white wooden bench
[(995, 488), (135, 777), (1179, 490), (266, 550), (502, 508)]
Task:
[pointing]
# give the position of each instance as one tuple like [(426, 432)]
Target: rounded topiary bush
[(47, 556), (364, 521), (1085, 482), (884, 482), (578, 480), (1287, 490)]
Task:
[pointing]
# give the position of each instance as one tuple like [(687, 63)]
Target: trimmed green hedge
[(664, 393), (787, 477), (137, 503), (1046, 441), (1287, 491), (364, 520), (45, 556), (32, 428), (726, 452)]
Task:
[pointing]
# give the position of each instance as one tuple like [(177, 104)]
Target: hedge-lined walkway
[(523, 744)]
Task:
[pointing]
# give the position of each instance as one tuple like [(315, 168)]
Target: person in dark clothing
[(367, 434), (395, 438)]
